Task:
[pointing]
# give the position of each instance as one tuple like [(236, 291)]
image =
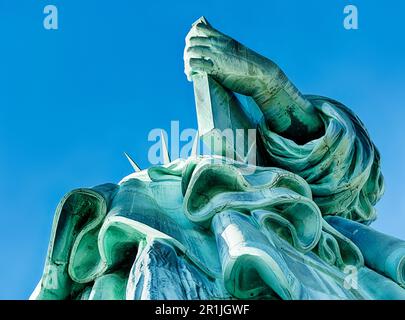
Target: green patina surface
[(294, 224)]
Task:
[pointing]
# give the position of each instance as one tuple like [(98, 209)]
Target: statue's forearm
[(286, 110), (242, 70)]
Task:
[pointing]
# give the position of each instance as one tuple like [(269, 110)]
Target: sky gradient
[(73, 100)]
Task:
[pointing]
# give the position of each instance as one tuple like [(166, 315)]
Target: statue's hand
[(232, 64), (244, 71)]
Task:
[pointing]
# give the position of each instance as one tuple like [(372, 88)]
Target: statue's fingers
[(197, 65), (201, 65), (204, 63), (212, 42), (199, 51), (192, 33), (195, 52), (200, 41), (207, 30)]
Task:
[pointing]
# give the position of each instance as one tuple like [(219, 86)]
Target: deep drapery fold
[(342, 167), (209, 228)]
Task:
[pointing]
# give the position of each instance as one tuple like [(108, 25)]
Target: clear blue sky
[(72, 100)]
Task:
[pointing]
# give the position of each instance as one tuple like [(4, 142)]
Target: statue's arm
[(244, 71)]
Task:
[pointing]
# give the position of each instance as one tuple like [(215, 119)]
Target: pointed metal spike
[(194, 150), (132, 162), (200, 19), (165, 150)]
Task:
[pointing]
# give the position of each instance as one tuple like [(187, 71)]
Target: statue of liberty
[(292, 224)]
